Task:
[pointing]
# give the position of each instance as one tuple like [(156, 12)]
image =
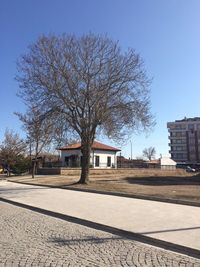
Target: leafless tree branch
[(92, 83)]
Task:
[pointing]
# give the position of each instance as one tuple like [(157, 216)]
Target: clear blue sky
[(165, 33)]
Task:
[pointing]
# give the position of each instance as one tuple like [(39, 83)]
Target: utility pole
[(131, 149)]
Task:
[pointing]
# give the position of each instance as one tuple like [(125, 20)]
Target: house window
[(67, 161), (108, 161), (97, 161)]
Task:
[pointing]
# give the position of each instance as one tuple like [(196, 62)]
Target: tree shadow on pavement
[(87, 239)]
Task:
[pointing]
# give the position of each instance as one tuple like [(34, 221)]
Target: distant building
[(184, 136), (163, 163), (123, 162), (153, 164), (167, 164)]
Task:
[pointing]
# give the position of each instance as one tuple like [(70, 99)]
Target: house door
[(97, 159), (67, 161)]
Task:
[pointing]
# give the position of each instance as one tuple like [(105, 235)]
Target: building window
[(192, 156), (192, 141), (108, 161), (177, 134), (191, 126), (179, 126), (179, 148), (192, 148), (97, 161)]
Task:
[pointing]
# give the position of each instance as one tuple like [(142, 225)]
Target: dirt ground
[(171, 185)]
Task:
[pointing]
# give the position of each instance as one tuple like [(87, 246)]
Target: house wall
[(68, 153), (168, 167), (103, 155)]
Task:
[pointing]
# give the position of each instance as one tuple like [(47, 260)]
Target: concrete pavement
[(173, 223)]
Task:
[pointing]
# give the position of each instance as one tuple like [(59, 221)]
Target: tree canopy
[(39, 131), (89, 85), (149, 153), (12, 149)]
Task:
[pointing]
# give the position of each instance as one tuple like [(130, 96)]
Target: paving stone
[(31, 239)]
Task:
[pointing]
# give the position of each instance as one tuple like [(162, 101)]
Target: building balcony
[(177, 130), (179, 145), (177, 137)]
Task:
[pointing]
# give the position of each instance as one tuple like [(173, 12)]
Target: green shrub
[(21, 165)]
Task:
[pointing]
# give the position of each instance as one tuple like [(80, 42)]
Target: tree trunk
[(35, 161), (8, 171), (85, 164), (34, 169)]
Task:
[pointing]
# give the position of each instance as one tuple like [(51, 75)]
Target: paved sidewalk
[(174, 223), (31, 239)]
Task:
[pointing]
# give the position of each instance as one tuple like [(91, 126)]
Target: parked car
[(189, 169)]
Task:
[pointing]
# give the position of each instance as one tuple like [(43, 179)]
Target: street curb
[(143, 197), (116, 231)]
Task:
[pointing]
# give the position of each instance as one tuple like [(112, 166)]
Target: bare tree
[(11, 147), (90, 83), (149, 153), (39, 132)]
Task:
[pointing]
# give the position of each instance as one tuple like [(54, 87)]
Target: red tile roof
[(96, 145), (153, 161)]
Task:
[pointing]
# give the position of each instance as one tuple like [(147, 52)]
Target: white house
[(167, 164), (102, 156), (164, 163)]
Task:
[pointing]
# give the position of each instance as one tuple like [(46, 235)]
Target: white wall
[(167, 161), (102, 157)]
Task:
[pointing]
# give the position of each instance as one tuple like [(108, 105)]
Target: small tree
[(22, 164), (11, 149), (149, 153), (39, 132), (91, 86)]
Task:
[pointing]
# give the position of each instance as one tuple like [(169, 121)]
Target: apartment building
[(184, 136)]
